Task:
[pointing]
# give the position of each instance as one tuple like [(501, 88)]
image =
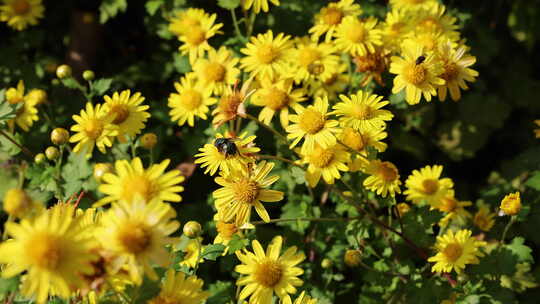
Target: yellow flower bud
[(59, 136), (403, 208), (352, 257), (326, 263), (148, 140), (511, 204), (52, 153), (39, 158), (192, 229), (36, 96), (88, 75), (101, 169), (16, 202), (63, 71)]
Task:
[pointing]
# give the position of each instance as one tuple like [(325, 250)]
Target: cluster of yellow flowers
[(19, 14)]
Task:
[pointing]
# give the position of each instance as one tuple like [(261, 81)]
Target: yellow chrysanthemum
[(192, 99), (312, 60), (331, 87), (129, 115), (231, 104), (218, 71), (19, 14), (192, 252), (537, 131), (94, 128), (18, 204), (259, 5), (243, 190), (312, 125), (416, 75), (411, 5), (131, 180), (27, 113), (325, 162), (267, 56), (403, 208), (358, 37), (330, 17), (359, 141), (179, 288), (395, 27), (226, 231), (195, 40), (52, 250), (383, 178), (453, 210), (455, 251), (277, 96), (305, 299), (362, 111), (456, 70), (184, 20), (266, 273), (426, 185), (484, 219), (511, 204), (434, 19), (213, 159), (136, 234), (429, 41)]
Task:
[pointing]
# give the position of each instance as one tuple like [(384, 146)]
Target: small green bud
[(63, 71), (192, 229), (52, 153), (59, 136), (88, 75), (326, 263), (39, 158)]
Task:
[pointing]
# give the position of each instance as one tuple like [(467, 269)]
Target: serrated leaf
[(221, 293), (153, 5), (523, 252), (533, 181), (8, 147), (110, 8), (101, 86), (237, 243), (298, 175), (229, 4), (211, 252)]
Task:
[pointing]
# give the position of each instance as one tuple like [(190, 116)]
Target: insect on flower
[(420, 59), (226, 146)]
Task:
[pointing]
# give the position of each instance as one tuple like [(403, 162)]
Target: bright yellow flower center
[(331, 15), (20, 7), (228, 106), (430, 23), (121, 111), (450, 72), (195, 36), (321, 158), (190, 22), (430, 186), (355, 34), (268, 273), (246, 191), (449, 204), (415, 74), (387, 172), (191, 99), (266, 54), (361, 112), (214, 71), (308, 55), (135, 237), (276, 99), (452, 252), (45, 251), (93, 128), (353, 139), (137, 185), (311, 121), (226, 230)]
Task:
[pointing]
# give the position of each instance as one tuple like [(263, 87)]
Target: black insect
[(420, 59), (226, 146)]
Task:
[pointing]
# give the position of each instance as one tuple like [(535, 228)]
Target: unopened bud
[(326, 263), (39, 158), (101, 169), (88, 75), (148, 140), (52, 153), (59, 136), (192, 229), (352, 257), (63, 71)]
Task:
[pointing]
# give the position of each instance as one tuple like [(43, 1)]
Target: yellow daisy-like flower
[(196, 38), (266, 55), (418, 73), (312, 125), (426, 185), (359, 141), (243, 190), (131, 181), (484, 219), (191, 100), (276, 96), (312, 60), (383, 178), (213, 159), (266, 273), (185, 20), (259, 5), (305, 299), (411, 5), (358, 37), (434, 19), (511, 204), (456, 70), (395, 27), (403, 208), (362, 111), (331, 87), (192, 252), (52, 250), (455, 251), (136, 234), (325, 162), (429, 41), (179, 288), (27, 113), (453, 209), (129, 114), (94, 128), (537, 131), (19, 14), (218, 71), (330, 17), (226, 231), (231, 104)]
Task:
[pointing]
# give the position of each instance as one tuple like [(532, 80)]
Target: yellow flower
[(456, 70), (352, 257), (265, 273), (94, 128), (19, 204), (213, 159), (19, 14), (312, 60), (429, 41), (454, 210), (242, 190), (53, 250), (325, 162), (383, 178), (312, 125), (267, 56), (277, 96), (231, 104), (136, 234), (184, 20), (484, 219), (358, 37), (434, 19), (218, 71), (131, 181), (259, 5), (192, 99), (331, 87), (129, 115), (511, 204), (192, 252), (411, 5), (330, 17), (359, 141), (403, 208), (305, 299), (426, 185), (419, 73), (395, 27), (27, 113), (226, 231), (537, 131), (179, 288), (455, 251), (15, 95), (362, 111), (196, 38)]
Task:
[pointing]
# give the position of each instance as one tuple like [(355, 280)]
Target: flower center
[(311, 121), (331, 80), (388, 172), (226, 230), (429, 42), (268, 273), (191, 99), (361, 111), (20, 7), (93, 128), (45, 251), (430, 23), (137, 185), (353, 139), (308, 55), (195, 36), (266, 54), (331, 15), (449, 204), (415, 74), (355, 34), (430, 186), (452, 252), (135, 237), (450, 71), (214, 71), (321, 158), (276, 99), (396, 28), (246, 191), (121, 112), (228, 104)]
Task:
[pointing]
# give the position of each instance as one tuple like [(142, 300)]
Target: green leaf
[(229, 4), (71, 83), (523, 252), (153, 5), (222, 292), (297, 207), (298, 175), (181, 63), (9, 285), (75, 172), (497, 262), (110, 8), (7, 110), (141, 294), (8, 147), (237, 243), (211, 252), (533, 182), (101, 86)]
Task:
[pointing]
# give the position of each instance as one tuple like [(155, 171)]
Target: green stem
[(199, 251), (250, 24), (310, 219), (23, 148), (235, 22), (267, 127), (505, 231)]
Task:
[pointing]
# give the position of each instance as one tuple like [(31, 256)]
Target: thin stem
[(310, 219), (250, 24), (505, 231), (151, 156), (199, 251), (267, 127), (265, 156), (23, 148), (235, 22)]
